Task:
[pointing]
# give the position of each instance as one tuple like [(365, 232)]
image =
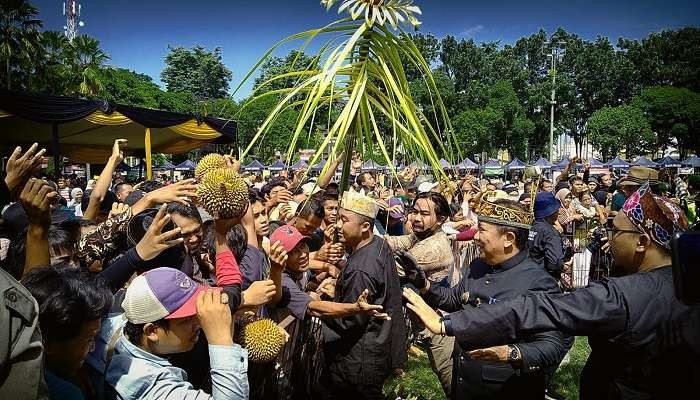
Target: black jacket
[(645, 343), (361, 349), (540, 352), (546, 247)]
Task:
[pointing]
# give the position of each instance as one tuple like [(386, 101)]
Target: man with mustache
[(432, 251)]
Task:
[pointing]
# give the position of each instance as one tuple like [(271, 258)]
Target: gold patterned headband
[(500, 214)]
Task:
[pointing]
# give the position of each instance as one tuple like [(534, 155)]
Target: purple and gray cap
[(161, 293)]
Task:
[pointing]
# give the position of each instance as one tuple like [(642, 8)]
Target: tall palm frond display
[(358, 72)]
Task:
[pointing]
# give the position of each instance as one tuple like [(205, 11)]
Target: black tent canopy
[(85, 130)]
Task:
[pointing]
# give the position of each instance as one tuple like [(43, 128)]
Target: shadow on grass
[(420, 383), (566, 379), (417, 383)]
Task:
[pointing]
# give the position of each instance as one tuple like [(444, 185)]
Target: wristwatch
[(513, 354)]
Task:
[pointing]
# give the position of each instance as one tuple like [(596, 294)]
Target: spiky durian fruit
[(263, 340), (223, 193), (208, 163)]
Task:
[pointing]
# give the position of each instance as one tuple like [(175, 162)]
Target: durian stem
[(350, 146)]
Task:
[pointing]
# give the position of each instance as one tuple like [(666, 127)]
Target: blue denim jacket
[(134, 373)]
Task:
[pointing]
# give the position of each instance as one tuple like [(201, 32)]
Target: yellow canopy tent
[(84, 130)]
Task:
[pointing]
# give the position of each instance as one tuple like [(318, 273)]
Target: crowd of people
[(131, 290)]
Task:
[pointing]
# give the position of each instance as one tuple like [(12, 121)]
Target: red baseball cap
[(288, 236)]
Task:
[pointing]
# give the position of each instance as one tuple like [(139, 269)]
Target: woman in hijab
[(76, 196), (567, 212)]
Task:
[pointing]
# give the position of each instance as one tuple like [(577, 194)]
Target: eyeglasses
[(612, 231)]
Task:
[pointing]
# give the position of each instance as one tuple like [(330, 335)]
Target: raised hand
[(327, 287), (36, 198), (117, 208), (285, 212), (232, 163), (155, 241), (278, 256), (258, 293), (215, 317), (330, 252), (282, 196), (118, 149), (21, 166), (178, 192)]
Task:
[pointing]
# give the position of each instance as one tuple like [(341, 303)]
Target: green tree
[(502, 123), (127, 87), (294, 61), (429, 47), (197, 71), (612, 129), (20, 42), (666, 58), (84, 60), (51, 72), (474, 129), (674, 114)]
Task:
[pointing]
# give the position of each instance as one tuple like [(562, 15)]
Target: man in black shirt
[(503, 271), (362, 351), (644, 341), (546, 247)]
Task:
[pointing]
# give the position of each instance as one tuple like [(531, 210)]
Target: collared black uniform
[(362, 351), (546, 247), (645, 343), (472, 379)]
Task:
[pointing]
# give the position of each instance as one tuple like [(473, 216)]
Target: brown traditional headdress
[(499, 214)]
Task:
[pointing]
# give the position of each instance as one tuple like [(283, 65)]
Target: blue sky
[(136, 34)]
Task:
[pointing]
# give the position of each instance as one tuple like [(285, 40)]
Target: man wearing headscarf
[(645, 342)]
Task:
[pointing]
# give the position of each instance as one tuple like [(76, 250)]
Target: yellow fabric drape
[(115, 118), (147, 147), (4, 114), (193, 130)]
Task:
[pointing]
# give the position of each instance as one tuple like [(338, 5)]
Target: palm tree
[(19, 35), (359, 72), (51, 69), (85, 58)]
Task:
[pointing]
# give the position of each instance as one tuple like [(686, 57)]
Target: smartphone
[(685, 249)]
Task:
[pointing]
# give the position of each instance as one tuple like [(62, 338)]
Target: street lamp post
[(553, 55)]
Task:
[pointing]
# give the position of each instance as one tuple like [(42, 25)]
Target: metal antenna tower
[(71, 9)]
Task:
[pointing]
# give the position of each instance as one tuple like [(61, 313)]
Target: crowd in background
[(118, 293)]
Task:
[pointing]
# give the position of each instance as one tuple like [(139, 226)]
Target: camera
[(685, 250)]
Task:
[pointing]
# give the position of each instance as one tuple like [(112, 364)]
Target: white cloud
[(473, 30)]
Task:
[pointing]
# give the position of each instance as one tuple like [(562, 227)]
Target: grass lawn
[(419, 382)]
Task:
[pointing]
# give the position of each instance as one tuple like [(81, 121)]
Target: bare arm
[(278, 260), (102, 185), (329, 309), (36, 198), (326, 177), (248, 224)]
